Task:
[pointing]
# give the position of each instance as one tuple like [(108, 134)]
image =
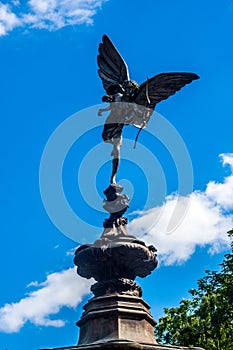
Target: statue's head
[(130, 87)]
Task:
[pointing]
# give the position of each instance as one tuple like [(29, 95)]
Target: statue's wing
[(112, 67), (161, 86)]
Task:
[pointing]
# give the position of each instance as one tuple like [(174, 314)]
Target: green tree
[(206, 320)]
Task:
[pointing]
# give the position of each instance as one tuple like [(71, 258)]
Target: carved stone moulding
[(116, 317), (125, 344)]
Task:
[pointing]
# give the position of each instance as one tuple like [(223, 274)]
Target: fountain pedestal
[(117, 311), (116, 317)]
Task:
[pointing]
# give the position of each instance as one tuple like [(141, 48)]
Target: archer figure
[(130, 103)]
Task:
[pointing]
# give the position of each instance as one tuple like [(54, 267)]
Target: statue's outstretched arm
[(101, 110)]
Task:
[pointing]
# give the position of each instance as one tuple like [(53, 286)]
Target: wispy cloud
[(8, 19), (71, 251), (60, 289), (47, 14), (206, 222)]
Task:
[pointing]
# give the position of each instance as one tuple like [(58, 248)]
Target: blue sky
[(48, 72)]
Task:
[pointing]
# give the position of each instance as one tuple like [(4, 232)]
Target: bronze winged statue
[(130, 103)]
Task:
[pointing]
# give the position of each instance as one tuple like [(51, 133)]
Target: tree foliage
[(206, 319)]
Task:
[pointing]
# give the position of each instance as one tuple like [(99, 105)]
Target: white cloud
[(205, 223), (222, 193), (8, 20), (72, 251), (60, 289), (48, 14)]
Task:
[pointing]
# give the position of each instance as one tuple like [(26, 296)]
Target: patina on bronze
[(130, 103), (117, 317)]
